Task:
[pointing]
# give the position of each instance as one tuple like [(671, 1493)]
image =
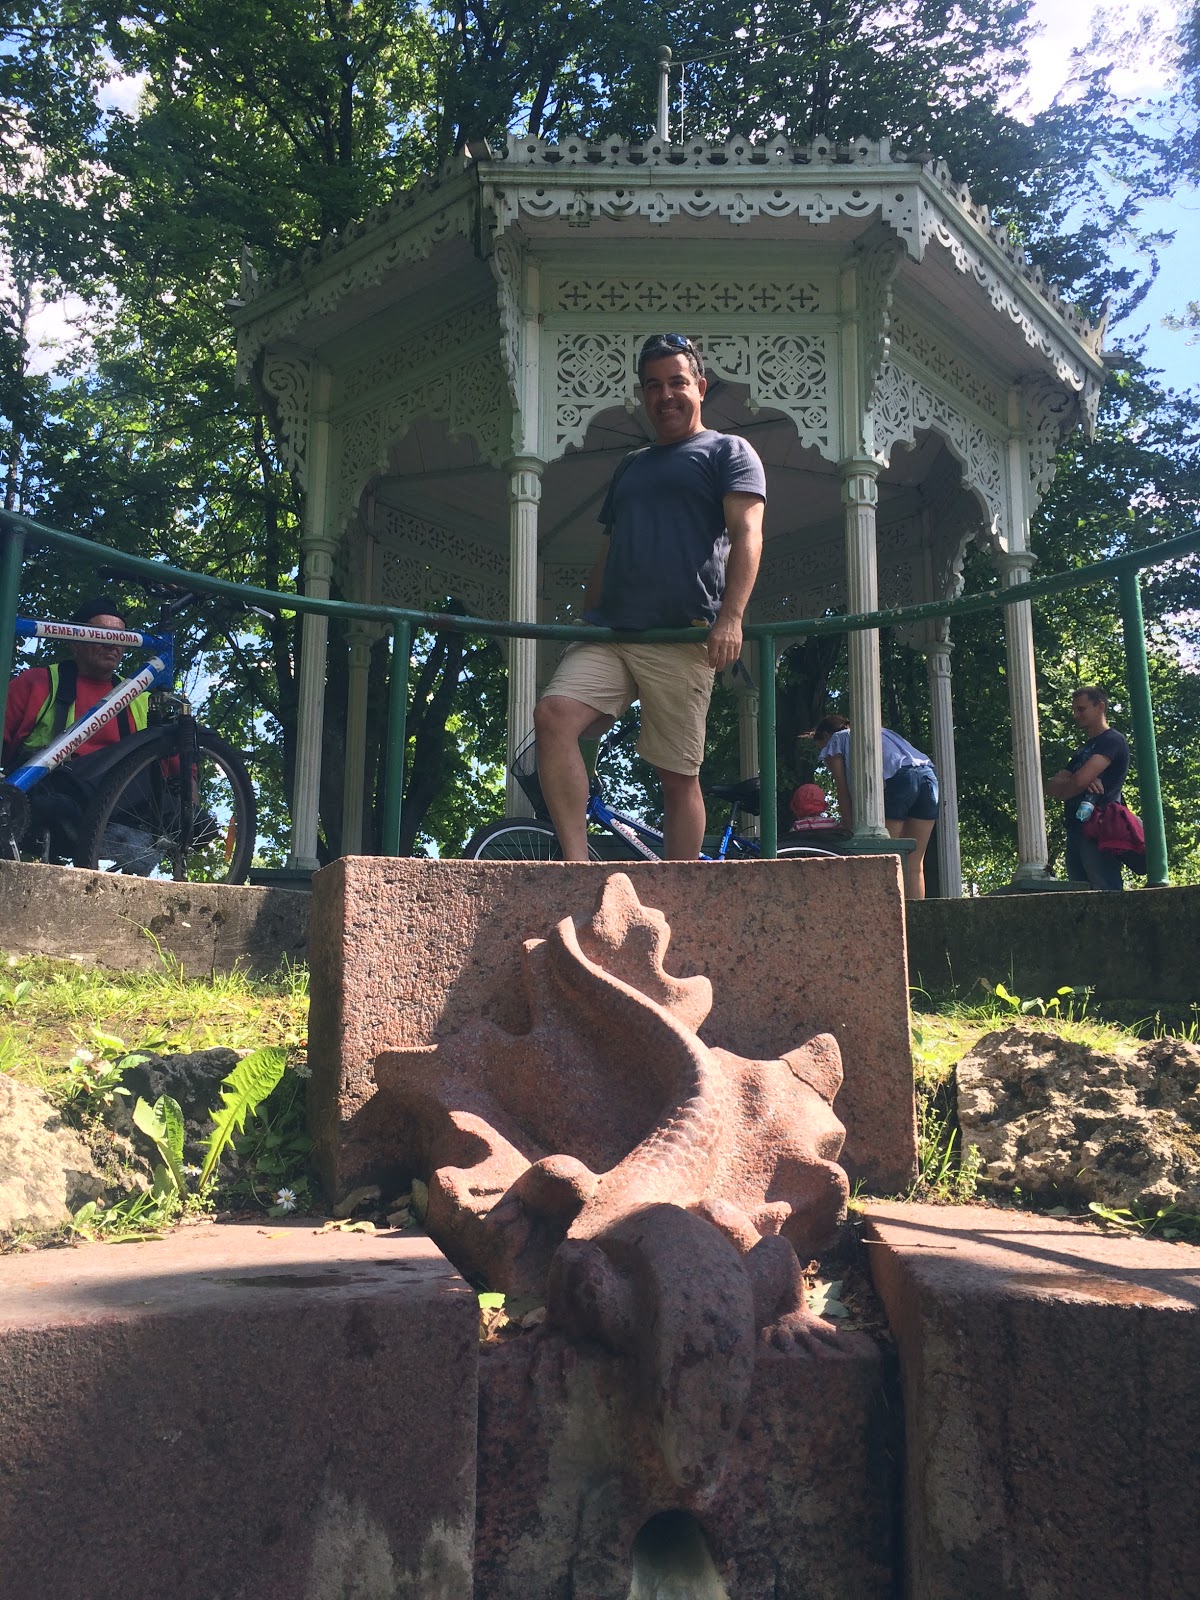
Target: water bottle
[(1086, 806)]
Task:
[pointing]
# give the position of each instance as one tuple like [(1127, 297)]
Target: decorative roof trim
[(744, 181), (769, 160)]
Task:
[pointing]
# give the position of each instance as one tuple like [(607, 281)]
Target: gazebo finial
[(664, 91)]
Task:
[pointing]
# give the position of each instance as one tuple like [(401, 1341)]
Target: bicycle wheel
[(142, 823), (512, 840), (812, 850)]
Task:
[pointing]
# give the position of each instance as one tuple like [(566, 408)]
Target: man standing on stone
[(684, 523), (1095, 773)]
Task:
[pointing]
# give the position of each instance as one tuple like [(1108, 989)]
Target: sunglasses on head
[(674, 341)]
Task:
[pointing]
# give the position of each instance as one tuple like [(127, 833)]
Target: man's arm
[(744, 520), (22, 706), (1064, 784)]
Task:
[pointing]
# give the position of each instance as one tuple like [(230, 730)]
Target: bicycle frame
[(159, 670), (640, 836)]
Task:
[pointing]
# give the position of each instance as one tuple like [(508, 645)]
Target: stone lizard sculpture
[(658, 1192)]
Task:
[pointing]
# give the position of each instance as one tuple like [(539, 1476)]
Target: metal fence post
[(12, 557), (768, 820), (393, 782), (1137, 679)]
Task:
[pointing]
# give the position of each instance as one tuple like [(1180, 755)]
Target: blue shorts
[(911, 792)]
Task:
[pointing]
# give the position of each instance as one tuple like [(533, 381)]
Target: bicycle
[(140, 814), (524, 839)]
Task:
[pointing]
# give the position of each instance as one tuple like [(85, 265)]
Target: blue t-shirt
[(668, 544), (1115, 746), (897, 752)]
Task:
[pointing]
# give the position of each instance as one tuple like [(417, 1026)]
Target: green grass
[(49, 1009)]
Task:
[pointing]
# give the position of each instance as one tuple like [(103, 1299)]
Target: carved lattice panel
[(956, 371), (790, 372), (472, 398), (423, 562), (686, 297), (905, 405)]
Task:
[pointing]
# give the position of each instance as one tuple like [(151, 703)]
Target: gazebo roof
[(634, 190), (776, 256)]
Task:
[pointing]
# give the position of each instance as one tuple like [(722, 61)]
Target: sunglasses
[(673, 341)]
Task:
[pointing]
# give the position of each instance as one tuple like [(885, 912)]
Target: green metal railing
[(14, 530)]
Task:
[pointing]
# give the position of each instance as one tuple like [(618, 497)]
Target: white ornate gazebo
[(452, 380)]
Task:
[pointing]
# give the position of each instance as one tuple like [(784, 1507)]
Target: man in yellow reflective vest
[(42, 701)]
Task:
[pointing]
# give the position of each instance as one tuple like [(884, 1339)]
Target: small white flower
[(286, 1199), (84, 1056), (190, 1171)]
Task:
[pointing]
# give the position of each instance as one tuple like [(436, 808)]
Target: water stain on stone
[(300, 1280), (1094, 1286)]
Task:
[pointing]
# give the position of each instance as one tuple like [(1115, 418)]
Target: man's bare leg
[(559, 722), (683, 804)]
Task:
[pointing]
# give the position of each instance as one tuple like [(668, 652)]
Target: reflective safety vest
[(58, 710)]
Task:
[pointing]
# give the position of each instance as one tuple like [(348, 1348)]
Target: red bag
[(1117, 832)]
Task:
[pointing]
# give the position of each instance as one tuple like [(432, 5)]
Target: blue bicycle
[(523, 839), (171, 800)]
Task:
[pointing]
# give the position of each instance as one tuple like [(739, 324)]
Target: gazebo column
[(941, 718), (747, 715), (524, 493), (747, 709), (860, 496), (1014, 567), (361, 637), (318, 547)]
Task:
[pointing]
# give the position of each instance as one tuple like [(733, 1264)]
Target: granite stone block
[(406, 952), (1051, 1406), (237, 1413)]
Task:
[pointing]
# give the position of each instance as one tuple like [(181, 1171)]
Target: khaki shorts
[(673, 682)]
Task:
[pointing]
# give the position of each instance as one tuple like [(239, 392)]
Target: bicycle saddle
[(744, 794)]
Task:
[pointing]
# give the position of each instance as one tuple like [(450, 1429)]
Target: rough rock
[(46, 1170), (1053, 1116), (192, 1079)]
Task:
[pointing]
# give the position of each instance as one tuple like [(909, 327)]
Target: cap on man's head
[(101, 605)]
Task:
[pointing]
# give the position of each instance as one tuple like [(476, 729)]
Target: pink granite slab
[(405, 952), (1051, 1404), (237, 1413)]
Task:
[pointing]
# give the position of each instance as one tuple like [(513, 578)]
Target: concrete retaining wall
[(1138, 948), (128, 924)]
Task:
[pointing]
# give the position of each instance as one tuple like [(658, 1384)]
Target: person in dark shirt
[(684, 524), (1096, 771)]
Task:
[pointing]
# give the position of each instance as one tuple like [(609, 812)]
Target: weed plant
[(64, 1029), (53, 1013)]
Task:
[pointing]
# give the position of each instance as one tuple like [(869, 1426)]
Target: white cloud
[(1065, 26), (122, 93)]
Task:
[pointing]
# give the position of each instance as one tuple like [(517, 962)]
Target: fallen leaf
[(356, 1197)]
